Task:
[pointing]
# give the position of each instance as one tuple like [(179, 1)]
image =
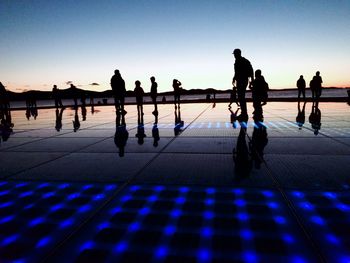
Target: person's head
[(257, 73), (317, 73), (174, 81), (55, 86), (301, 76), (153, 79), (137, 83), (237, 53)]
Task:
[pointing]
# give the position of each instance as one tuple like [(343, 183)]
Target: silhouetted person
[(75, 94), (301, 85), (57, 96), (259, 89), (76, 122), (119, 91), (258, 143), (121, 134), (154, 94), (243, 74), (317, 83), (59, 113), (177, 92), (315, 118), (179, 124), (4, 101), (242, 156), (300, 119), (139, 98)]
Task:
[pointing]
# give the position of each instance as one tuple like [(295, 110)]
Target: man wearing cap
[(243, 74)]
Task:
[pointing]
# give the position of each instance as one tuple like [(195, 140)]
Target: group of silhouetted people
[(244, 75), (315, 87)]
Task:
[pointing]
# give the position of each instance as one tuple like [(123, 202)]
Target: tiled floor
[(202, 190)]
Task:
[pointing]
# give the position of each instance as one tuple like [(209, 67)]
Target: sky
[(57, 42)]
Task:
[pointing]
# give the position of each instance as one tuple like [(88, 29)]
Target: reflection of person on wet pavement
[(234, 117), (315, 118), (242, 156), (258, 143), (121, 134), (179, 124), (59, 114), (155, 135), (76, 122), (300, 119), (6, 124), (140, 127), (31, 106)]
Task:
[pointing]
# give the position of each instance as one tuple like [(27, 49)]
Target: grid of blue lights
[(35, 216), (327, 215), (186, 224)]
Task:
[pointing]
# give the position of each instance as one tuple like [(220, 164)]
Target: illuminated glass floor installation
[(189, 185)]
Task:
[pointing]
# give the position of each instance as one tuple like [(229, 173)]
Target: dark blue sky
[(52, 42)]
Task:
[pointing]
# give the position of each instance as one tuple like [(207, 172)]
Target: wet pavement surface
[(192, 185)]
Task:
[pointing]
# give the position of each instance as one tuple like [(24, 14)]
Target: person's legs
[(241, 90)]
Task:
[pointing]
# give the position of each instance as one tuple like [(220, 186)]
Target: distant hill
[(76, 92)]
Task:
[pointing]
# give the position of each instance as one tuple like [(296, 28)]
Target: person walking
[(243, 75)]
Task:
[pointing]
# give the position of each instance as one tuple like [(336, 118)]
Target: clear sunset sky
[(46, 42)]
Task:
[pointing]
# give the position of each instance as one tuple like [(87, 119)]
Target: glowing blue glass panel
[(49, 194), (134, 227), (152, 198), (9, 240), (208, 215), (161, 252), (43, 242), (66, 223), (99, 197), (183, 189), (84, 208), (246, 234), (250, 256), (134, 188), (87, 245), (121, 247), (176, 213), (204, 255), (63, 186), (206, 232), (36, 221), (169, 230), (317, 220), (6, 219), (56, 207), (280, 220)]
